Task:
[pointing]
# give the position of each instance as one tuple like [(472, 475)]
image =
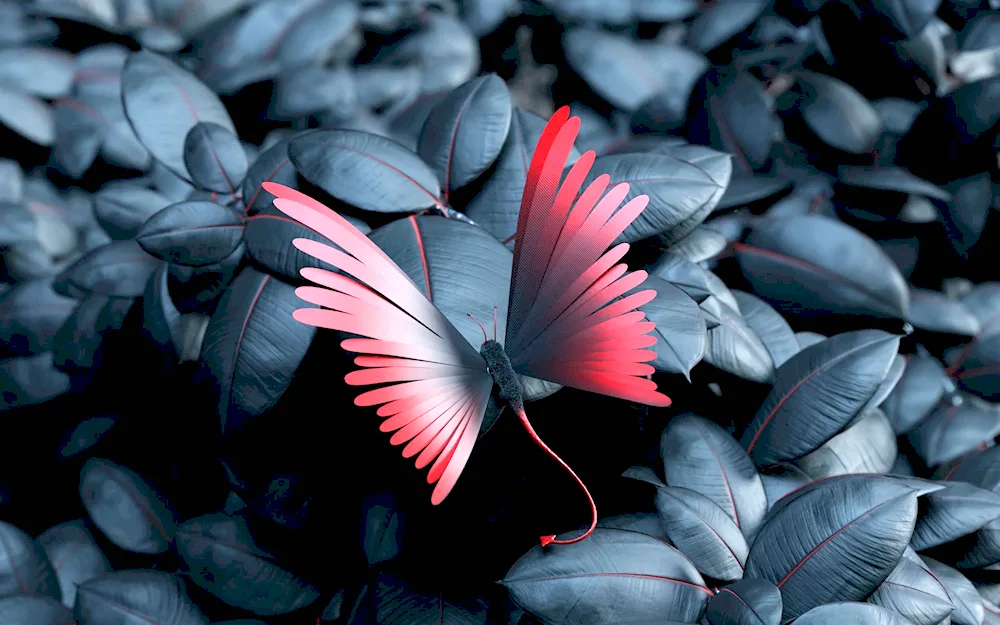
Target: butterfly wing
[(434, 386), (572, 318)]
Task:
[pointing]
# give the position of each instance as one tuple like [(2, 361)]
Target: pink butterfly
[(569, 319)]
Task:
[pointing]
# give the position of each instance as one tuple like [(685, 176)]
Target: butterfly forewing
[(572, 316), (433, 387)]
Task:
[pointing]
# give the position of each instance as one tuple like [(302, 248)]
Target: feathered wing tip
[(573, 315), (433, 386)]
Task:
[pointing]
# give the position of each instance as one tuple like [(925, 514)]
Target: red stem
[(551, 540)]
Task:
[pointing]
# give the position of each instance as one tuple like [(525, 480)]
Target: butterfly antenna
[(485, 337), (551, 540), (494, 322)]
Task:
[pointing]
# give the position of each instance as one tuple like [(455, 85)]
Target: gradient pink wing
[(572, 315), (433, 386)]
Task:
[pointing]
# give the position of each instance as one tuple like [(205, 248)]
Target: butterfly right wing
[(435, 386)]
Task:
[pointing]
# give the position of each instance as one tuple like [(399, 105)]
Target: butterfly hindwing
[(433, 386), (572, 315)]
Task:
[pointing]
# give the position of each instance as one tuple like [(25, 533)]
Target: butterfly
[(572, 316)]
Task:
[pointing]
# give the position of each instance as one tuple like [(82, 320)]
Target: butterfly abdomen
[(503, 373)]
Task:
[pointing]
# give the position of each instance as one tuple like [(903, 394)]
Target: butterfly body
[(573, 314), (499, 367)]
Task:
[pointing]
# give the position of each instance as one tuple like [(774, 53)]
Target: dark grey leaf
[(30, 380), (814, 264), (192, 233), (33, 610), (121, 210), (161, 321), (223, 559), (891, 179), (136, 596), (916, 394), (956, 511), (734, 347), (126, 508), (889, 382), (955, 428), (381, 528), (75, 557), (836, 539), (703, 532), (962, 594), (838, 114), (702, 243), (770, 327), (746, 602), (680, 331), (30, 315), (614, 576), (721, 21), (24, 567), (391, 601), (28, 116), (79, 131), (912, 591), (701, 456), (614, 66), (642, 522), (214, 158), (85, 435), (936, 312), (163, 102), (365, 170), (273, 165), (118, 269), (840, 613), (867, 445), (816, 393), (465, 132), (985, 549)]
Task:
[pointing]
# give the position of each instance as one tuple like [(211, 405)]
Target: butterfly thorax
[(502, 373)]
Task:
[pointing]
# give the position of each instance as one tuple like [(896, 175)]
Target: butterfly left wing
[(571, 317), (435, 385)]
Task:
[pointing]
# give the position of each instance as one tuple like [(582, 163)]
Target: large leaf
[(936, 312), (117, 269), (680, 332), (838, 114), (813, 264), (948, 514), (222, 558), (616, 67), (465, 132), (912, 591), (770, 327), (703, 532), (215, 158), (701, 456), (121, 210), (867, 445), (38, 70), (138, 596), (962, 594), (126, 508), (850, 612), (746, 602), (681, 193), (273, 165), (24, 567), (985, 549), (163, 102), (612, 577), (498, 203), (391, 601), (75, 557), (816, 393), (381, 528), (30, 315), (33, 610), (733, 346), (252, 346), (28, 116), (836, 539), (916, 394), (365, 170), (193, 234), (955, 428)]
